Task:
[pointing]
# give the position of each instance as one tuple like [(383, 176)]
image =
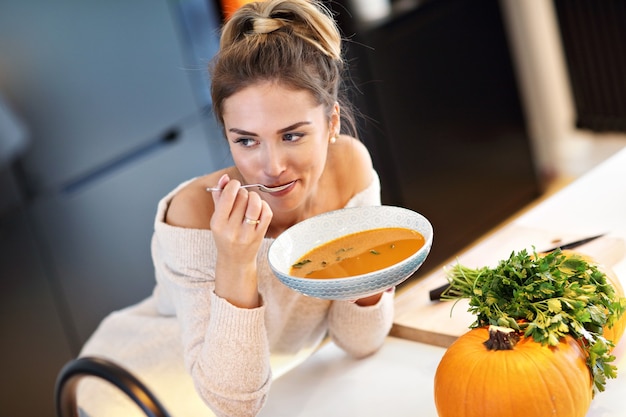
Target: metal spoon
[(261, 187)]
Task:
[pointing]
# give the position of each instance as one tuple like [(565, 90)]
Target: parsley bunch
[(545, 297)]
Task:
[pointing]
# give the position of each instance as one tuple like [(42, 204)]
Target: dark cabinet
[(444, 117)]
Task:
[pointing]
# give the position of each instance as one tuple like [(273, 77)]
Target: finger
[(224, 179), (253, 209), (266, 214), (265, 217), (225, 200), (221, 183), (240, 205)]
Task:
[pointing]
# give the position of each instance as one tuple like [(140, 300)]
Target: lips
[(286, 190)]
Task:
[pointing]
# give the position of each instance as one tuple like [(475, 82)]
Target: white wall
[(561, 150)]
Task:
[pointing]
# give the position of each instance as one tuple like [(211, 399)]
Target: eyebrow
[(283, 130), (293, 126)]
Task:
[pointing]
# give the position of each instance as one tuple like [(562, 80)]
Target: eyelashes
[(247, 142), (293, 137)]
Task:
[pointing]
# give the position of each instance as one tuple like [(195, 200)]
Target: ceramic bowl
[(299, 239)]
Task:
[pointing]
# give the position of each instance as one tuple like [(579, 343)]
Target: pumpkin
[(494, 372)]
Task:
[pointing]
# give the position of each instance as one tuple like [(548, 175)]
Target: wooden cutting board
[(441, 322)]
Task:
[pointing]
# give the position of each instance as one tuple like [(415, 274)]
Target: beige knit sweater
[(228, 351)]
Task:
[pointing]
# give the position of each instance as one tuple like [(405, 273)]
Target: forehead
[(270, 101)]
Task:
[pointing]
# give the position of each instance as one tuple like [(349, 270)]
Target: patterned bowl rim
[(428, 239)]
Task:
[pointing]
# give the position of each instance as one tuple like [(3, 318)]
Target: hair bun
[(262, 25)]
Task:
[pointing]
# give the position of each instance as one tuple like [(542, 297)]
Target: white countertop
[(398, 380)]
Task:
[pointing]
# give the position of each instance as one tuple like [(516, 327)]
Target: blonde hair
[(293, 42)]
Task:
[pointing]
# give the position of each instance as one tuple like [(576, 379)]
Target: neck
[(283, 220)]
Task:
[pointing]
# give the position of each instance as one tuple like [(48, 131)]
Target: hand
[(238, 240), (372, 299)]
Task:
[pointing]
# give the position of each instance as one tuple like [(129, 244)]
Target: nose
[(274, 161)]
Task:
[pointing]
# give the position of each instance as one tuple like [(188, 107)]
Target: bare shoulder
[(192, 207), (354, 163)]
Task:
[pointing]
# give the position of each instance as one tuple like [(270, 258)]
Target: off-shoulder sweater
[(230, 352)]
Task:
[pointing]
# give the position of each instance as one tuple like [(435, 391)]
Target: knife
[(437, 292)]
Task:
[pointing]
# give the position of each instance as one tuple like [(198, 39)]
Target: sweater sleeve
[(361, 331), (225, 348)]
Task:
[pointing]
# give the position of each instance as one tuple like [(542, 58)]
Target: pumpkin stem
[(501, 338)]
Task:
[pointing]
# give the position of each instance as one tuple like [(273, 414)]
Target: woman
[(275, 88)]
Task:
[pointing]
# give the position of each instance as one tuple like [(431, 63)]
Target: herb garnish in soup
[(359, 253)]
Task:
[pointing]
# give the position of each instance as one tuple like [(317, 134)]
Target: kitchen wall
[(560, 149), (114, 100)]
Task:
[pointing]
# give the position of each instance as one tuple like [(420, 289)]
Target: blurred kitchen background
[(472, 110)]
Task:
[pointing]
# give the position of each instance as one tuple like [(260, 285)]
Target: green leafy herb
[(301, 263), (374, 252), (545, 297), (342, 250)]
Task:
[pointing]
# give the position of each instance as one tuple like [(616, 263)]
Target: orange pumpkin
[(509, 379)]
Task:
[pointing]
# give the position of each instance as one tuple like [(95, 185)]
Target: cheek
[(313, 161), (313, 154), (246, 162)]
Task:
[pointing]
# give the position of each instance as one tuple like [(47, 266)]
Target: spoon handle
[(243, 186)]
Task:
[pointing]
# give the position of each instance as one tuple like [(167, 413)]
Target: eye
[(292, 137), (246, 142)]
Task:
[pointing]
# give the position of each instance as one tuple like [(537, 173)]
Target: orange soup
[(359, 253)]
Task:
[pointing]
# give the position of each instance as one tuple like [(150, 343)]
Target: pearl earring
[(334, 138)]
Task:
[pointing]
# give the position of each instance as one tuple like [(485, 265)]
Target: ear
[(335, 120)]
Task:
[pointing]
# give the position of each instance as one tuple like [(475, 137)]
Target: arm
[(358, 330), (225, 348), (225, 344)]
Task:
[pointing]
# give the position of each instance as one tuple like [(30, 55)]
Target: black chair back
[(75, 370)]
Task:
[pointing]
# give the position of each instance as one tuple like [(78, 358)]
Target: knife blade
[(435, 294), (574, 244)]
